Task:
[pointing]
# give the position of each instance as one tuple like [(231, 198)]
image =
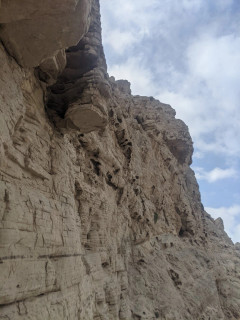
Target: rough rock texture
[(100, 213), (35, 31), (80, 95)]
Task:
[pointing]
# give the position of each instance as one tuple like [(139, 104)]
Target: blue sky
[(187, 53)]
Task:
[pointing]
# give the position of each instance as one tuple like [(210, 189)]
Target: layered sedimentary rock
[(100, 212), (80, 95)]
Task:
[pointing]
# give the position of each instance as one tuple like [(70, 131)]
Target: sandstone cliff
[(100, 213)]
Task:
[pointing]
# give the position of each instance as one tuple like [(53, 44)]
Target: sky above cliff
[(187, 53)]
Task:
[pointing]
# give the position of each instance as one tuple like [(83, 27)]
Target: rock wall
[(100, 213)]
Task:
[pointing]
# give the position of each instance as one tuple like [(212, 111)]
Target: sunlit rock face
[(33, 31), (100, 213)]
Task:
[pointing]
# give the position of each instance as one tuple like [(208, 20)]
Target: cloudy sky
[(187, 53)]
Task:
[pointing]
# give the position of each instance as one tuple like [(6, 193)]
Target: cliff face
[(100, 213)]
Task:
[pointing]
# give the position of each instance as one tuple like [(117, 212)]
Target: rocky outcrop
[(100, 213), (37, 33), (79, 97)]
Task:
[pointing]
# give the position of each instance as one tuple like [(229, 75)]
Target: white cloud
[(215, 175), (134, 71), (224, 4), (214, 60), (192, 4), (119, 40), (198, 155), (231, 219), (135, 15), (207, 96)]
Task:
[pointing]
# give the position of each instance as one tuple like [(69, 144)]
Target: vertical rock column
[(79, 98)]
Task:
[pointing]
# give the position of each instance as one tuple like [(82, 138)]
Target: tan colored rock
[(52, 67), (107, 224), (80, 96), (124, 86), (86, 118), (34, 31)]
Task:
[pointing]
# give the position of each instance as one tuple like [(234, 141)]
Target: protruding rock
[(34, 31), (219, 223), (124, 86), (85, 118), (82, 91), (52, 67)]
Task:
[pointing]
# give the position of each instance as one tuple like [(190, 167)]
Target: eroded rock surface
[(81, 93), (101, 218), (33, 31)]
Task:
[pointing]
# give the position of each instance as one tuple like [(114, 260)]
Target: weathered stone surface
[(86, 118), (33, 31), (124, 86), (107, 224), (51, 68), (81, 93)]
